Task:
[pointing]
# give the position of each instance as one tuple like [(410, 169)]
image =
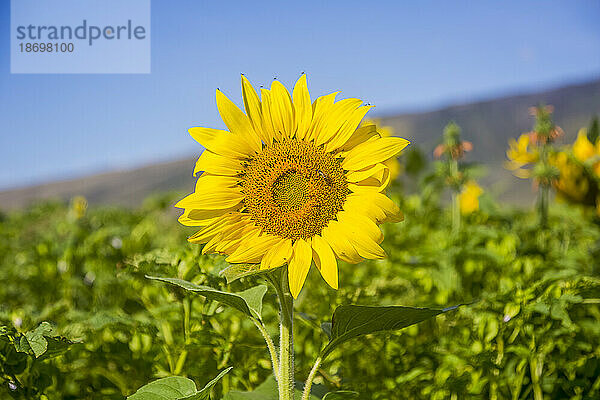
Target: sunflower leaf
[(340, 395), (248, 301), (352, 321), (175, 388), (265, 391), (238, 271), (41, 342)]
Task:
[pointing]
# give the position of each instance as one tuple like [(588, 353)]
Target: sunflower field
[(80, 318)]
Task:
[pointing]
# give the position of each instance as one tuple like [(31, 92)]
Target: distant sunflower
[(292, 182)]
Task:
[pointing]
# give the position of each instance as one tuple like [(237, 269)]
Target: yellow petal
[(302, 107), (217, 165), (224, 198), (281, 110), (253, 249), (208, 182), (253, 108), (325, 260), (237, 122), (228, 237), (376, 182), (268, 129), (362, 223), (372, 152), (195, 217), (376, 206), (223, 223), (372, 170), (337, 115), (361, 241), (340, 244), (221, 142), (583, 149), (277, 255), (299, 265), (359, 136), (321, 107), (347, 129)]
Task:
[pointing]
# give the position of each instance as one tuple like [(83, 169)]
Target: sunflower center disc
[(293, 189), (290, 190)]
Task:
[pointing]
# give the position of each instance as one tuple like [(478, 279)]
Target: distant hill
[(491, 123), (488, 124)]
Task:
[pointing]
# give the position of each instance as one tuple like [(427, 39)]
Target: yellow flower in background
[(78, 207), (521, 153), (586, 151), (469, 197), (292, 182), (572, 184), (583, 149), (386, 131)]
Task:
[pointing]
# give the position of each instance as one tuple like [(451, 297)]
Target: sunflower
[(292, 182)]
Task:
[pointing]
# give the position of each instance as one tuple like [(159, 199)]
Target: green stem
[(535, 371), (544, 191), (311, 377), (270, 346), (544, 187), (455, 213), (286, 338), (187, 313), (455, 202)]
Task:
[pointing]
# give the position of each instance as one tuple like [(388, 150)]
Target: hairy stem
[(455, 199), (270, 346), (311, 377), (286, 338)]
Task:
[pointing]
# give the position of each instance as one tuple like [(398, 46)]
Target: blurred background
[(117, 138)]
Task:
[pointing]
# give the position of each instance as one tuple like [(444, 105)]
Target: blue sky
[(397, 55)]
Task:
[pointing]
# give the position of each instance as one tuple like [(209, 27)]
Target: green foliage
[(265, 391), (534, 328), (340, 395), (176, 388), (249, 301), (21, 355), (353, 321)]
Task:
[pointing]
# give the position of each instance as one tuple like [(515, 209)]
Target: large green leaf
[(341, 395), (36, 339), (351, 321), (238, 271), (249, 301), (204, 394), (265, 391), (175, 388), (171, 388), (41, 342)]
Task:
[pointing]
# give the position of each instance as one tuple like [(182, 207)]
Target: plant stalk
[(286, 338), (270, 346), (311, 377), (455, 199)]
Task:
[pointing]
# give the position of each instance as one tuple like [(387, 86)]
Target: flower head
[(572, 184), (292, 182), (579, 172), (520, 154), (453, 145), (583, 149), (544, 131), (469, 197)]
